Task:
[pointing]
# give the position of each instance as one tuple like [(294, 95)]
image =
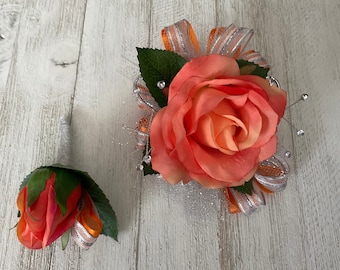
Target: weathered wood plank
[(293, 39), (79, 58), (179, 224), (104, 102), (37, 91), (317, 71), (273, 236), (9, 21)]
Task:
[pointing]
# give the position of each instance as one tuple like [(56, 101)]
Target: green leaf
[(247, 188), (36, 183), (104, 209), (25, 181), (64, 239), (65, 183), (158, 65), (147, 169), (250, 68)]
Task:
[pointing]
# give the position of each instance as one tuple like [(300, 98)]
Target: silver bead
[(288, 154), (300, 132), (304, 96), (161, 84)]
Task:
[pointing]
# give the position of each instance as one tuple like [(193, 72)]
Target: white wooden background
[(78, 58)]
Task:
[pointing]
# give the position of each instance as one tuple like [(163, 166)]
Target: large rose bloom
[(218, 125)]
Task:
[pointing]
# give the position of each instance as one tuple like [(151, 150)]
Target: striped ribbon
[(88, 225), (232, 41)]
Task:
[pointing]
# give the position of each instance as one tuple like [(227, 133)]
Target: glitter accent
[(300, 132)]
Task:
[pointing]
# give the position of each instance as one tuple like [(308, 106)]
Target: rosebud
[(49, 204)]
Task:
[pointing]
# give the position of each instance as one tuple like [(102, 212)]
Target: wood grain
[(78, 58)]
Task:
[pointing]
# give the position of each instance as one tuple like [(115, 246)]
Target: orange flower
[(42, 222), (218, 125), (50, 203)]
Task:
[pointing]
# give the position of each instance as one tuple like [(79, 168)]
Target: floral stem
[(64, 150)]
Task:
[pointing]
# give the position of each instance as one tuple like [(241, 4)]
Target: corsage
[(211, 116)]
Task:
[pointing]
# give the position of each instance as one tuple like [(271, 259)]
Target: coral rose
[(218, 125), (43, 221)]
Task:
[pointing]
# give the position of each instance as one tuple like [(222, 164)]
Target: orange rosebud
[(53, 200), (44, 214)]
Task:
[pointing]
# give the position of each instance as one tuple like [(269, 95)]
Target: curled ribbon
[(271, 176), (232, 41), (88, 225)]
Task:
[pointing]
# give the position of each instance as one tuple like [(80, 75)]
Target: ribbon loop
[(229, 41), (88, 225), (232, 41), (180, 38), (273, 174), (248, 203)]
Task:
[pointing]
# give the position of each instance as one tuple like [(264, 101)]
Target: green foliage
[(64, 239), (36, 183), (65, 183), (147, 169), (102, 204), (158, 65), (247, 188), (250, 68)]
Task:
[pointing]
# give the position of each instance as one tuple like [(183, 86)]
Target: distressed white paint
[(163, 226)]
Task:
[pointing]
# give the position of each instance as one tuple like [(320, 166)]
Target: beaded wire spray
[(272, 174)]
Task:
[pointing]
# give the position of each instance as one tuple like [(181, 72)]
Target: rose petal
[(63, 223), (24, 233), (269, 149), (228, 169), (277, 97), (26, 236), (252, 120), (221, 138), (21, 200), (209, 66), (268, 116), (51, 208), (35, 215), (171, 169)]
